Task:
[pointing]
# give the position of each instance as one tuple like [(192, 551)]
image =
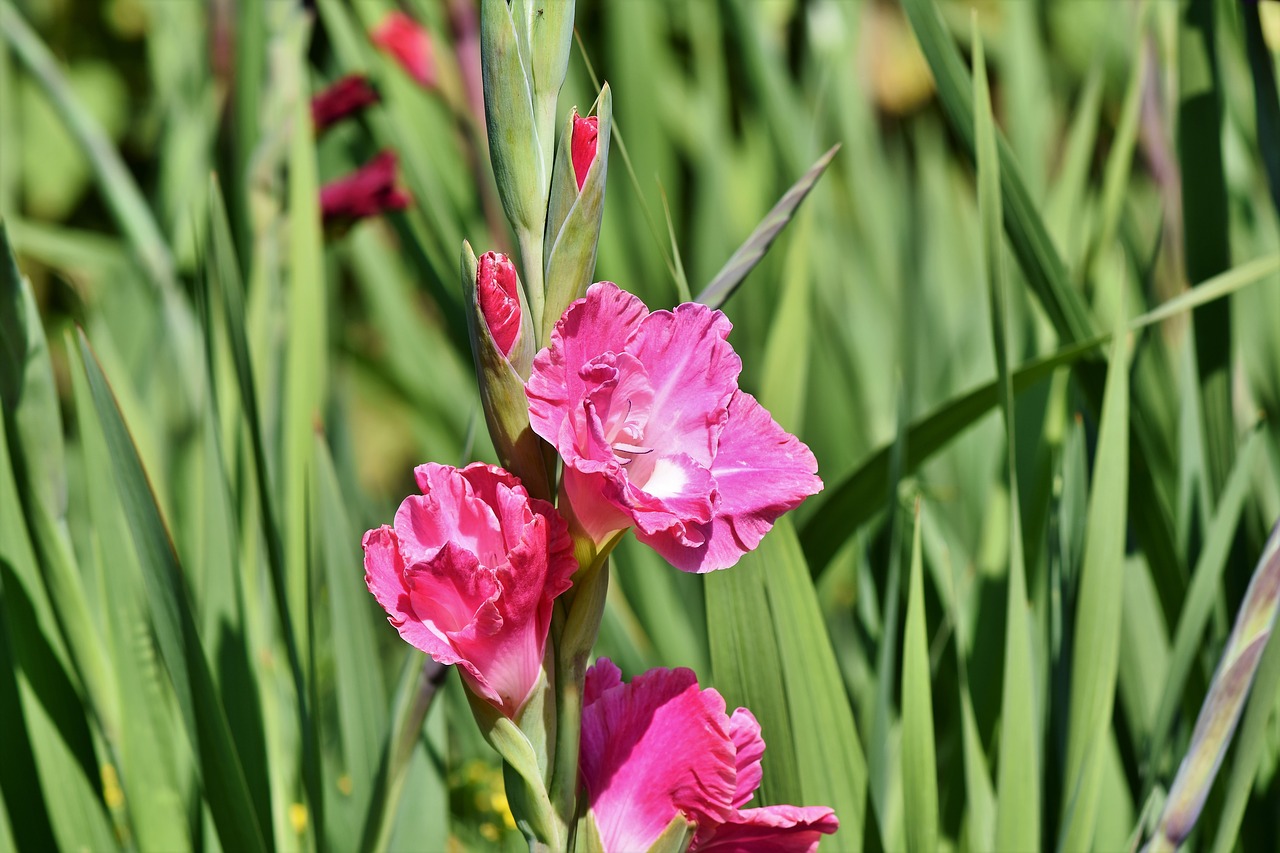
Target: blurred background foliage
[(280, 382)]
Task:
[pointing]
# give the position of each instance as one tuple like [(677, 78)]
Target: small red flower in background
[(344, 98), (585, 133), (406, 41), (368, 191)]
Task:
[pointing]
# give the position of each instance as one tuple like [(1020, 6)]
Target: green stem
[(581, 627), (532, 276)]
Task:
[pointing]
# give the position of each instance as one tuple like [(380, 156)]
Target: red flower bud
[(499, 293), (410, 45), (585, 131), (368, 191), (344, 98)]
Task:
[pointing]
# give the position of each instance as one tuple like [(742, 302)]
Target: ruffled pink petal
[(775, 829), (600, 322), (761, 471), (652, 749), (385, 577), (749, 747), (693, 371), (448, 510)]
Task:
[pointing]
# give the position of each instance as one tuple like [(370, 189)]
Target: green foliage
[(980, 304)]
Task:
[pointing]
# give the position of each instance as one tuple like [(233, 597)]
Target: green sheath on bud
[(501, 378), (573, 218), (547, 27), (514, 148)]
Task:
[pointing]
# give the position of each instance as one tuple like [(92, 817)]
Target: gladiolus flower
[(468, 574), (659, 747), (585, 133), (368, 191), (346, 97), (646, 412), (405, 40), (498, 287)]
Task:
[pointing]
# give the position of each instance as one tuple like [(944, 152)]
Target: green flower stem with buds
[(580, 612)]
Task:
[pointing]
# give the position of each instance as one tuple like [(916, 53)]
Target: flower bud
[(344, 98), (405, 40), (501, 331), (585, 131), (499, 292), (576, 207)]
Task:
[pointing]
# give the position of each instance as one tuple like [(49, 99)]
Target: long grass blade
[(919, 762), (744, 260), (1096, 637), (221, 771)]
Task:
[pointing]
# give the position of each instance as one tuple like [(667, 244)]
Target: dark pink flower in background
[(498, 287), (659, 747), (646, 412), (368, 191), (344, 98), (406, 41), (468, 574), (583, 147)]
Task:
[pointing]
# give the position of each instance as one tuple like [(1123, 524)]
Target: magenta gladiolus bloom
[(344, 98), (646, 411), (498, 288), (368, 191), (661, 747), (410, 45), (468, 574), (583, 147)]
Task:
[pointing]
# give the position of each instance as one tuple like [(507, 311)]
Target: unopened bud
[(585, 133), (499, 292)]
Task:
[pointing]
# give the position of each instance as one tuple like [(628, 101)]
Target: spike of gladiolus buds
[(576, 207), (406, 41), (502, 347), (344, 98), (499, 292), (585, 131), (368, 191)]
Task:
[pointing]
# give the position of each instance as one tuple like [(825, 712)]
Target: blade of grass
[(360, 694), (221, 772), (1207, 247), (741, 262), (305, 378), (1266, 99), (158, 814), (919, 764), (45, 738), (1206, 582), (859, 495), (1096, 638), (1018, 777)]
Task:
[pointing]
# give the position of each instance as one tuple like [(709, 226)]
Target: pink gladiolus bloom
[(499, 298), (646, 411), (409, 44), (468, 574), (659, 747), (583, 146), (368, 191), (344, 98)]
